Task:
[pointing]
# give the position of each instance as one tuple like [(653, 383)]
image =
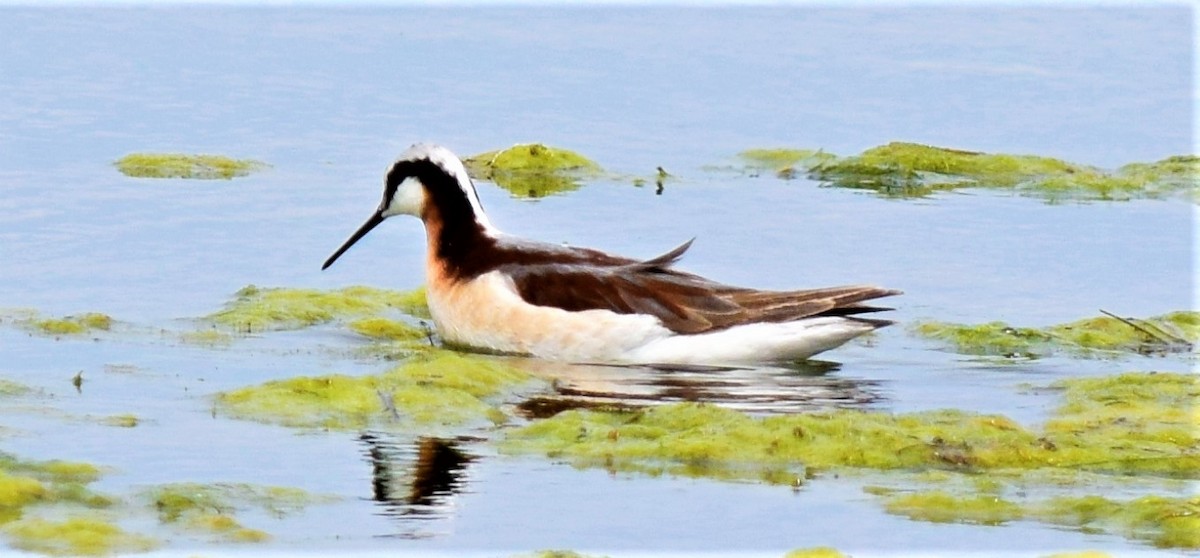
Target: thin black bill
[(375, 219)]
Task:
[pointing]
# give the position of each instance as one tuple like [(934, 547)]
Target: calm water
[(329, 96)]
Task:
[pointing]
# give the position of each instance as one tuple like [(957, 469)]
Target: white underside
[(751, 343), (487, 313)]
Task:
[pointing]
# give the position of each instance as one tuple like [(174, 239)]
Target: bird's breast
[(486, 312)]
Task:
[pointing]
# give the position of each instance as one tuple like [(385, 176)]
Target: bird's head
[(430, 182)]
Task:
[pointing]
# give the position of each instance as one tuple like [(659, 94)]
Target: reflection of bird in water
[(804, 386), (417, 478), (498, 293)]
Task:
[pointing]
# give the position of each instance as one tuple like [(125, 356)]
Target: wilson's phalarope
[(491, 291)]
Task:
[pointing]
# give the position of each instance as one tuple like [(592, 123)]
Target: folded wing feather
[(683, 302)]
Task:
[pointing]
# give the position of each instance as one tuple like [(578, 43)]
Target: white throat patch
[(408, 199)]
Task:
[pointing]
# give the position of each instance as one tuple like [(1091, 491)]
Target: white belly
[(754, 343)]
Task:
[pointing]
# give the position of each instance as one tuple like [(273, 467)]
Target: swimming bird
[(494, 292)]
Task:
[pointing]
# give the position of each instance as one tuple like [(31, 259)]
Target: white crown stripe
[(449, 162)]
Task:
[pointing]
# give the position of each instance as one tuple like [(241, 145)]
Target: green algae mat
[(430, 388), (48, 508), (1130, 424), (1105, 430), (533, 170), (180, 165), (1165, 522), (1101, 336), (438, 388), (75, 325), (905, 170), (256, 309), (210, 510)]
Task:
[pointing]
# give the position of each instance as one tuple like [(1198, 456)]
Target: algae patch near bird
[(1105, 430), (1129, 424), (79, 535), (78, 324), (179, 165), (1164, 521), (784, 161), (47, 507), (942, 507), (905, 170), (1089, 337), (386, 329), (532, 170), (815, 552), (435, 389), (271, 309), (9, 388), (24, 483), (211, 509), (1169, 522), (30, 490)]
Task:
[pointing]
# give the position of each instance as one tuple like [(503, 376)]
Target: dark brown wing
[(685, 303)]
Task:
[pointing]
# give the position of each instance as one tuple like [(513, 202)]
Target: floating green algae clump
[(989, 339), (1150, 421), (383, 328), (903, 169), (1179, 172), (532, 170), (211, 508), (178, 165), (783, 161), (1106, 431), (1169, 522), (815, 552), (121, 421), (1164, 522), (942, 507), (1173, 332), (53, 471), (259, 309), (438, 388), (706, 440), (1080, 554), (76, 536), (10, 388), (207, 337), (17, 492), (67, 325), (51, 487), (553, 554), (1116, 428), (907, 168)]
